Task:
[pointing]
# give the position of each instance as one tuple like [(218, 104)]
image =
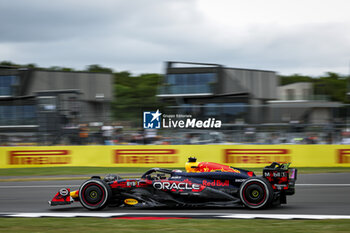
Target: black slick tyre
[(94, 194), (256, 193)]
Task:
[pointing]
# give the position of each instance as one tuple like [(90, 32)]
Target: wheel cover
[(255, 194), (93, 194)]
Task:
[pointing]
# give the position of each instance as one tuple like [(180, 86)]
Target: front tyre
[(94, 194), (256, 193)]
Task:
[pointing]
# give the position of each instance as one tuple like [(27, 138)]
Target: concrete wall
[(301, 90), (260, 84), (90, 84)]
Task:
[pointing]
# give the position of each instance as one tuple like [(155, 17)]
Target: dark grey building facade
[(31, 99), (211, 90), (95, 91)]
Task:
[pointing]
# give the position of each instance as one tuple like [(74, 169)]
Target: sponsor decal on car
[(216, 183), (175, 185), (132, 183), (277, 174), (239, 180), (64, 192), (280, 186), (39, 157), (131, 201)]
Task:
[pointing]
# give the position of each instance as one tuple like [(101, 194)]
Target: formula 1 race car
[(203, 184)]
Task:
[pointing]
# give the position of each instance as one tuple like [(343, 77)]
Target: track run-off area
[(318, 196)]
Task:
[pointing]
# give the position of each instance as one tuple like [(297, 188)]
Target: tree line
[(333, 85)]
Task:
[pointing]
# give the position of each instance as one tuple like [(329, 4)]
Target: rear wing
[(281, 177)]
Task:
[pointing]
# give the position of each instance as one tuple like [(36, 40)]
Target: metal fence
[(327, 125)]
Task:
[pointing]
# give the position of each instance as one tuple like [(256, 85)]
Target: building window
[(226, 111), (17, 115), (7, 85), (47, 103), (189, 83)]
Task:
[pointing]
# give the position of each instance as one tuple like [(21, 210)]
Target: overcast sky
[(302, 36)]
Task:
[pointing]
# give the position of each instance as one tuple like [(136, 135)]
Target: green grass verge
[(310, 170), (51, 171), (175, 225)]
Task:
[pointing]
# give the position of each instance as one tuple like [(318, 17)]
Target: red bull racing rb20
[(203, 184)]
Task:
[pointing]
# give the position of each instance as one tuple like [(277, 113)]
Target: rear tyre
[(94, 194), (256, 193)]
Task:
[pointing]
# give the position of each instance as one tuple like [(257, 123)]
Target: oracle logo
[(175, 186)]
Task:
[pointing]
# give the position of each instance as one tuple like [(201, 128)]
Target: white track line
[(286, 216), (194, 215), (325, 185)]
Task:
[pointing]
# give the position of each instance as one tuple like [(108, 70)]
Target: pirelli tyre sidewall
[(256, 193), (94, 194)]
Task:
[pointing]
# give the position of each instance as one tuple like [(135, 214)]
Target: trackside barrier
[(175, 156)]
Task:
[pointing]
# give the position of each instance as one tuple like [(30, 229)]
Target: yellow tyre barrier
[(175, 156)]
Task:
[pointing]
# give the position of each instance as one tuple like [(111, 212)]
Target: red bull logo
[(216, 183)]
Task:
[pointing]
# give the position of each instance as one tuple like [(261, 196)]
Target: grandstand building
[(212, 90), (33, 100), (241, 96)]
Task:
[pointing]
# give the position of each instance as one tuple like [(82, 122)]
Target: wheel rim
[(254, 194), (93, 194)]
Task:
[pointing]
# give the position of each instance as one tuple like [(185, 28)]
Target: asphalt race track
[(316, 194)]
